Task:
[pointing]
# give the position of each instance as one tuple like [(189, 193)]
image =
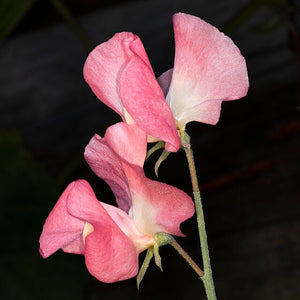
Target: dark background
[(248, 164)]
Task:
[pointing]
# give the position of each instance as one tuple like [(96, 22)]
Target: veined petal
[(208, 67), (144, 100), (62, 230)]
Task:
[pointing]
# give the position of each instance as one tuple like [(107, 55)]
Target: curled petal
[(109, 254), (103, 66), (121, 142), (208, 67), (61, 229), (106, 164)]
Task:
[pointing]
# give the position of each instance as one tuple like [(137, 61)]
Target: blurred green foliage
[(279, 7), (11, 13), (27, 195)]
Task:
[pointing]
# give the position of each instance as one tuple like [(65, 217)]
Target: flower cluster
[(208, 69)]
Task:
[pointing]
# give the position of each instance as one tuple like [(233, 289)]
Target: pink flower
[(103, 71), (208, 69), (111, 238)]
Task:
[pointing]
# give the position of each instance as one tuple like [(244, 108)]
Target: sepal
[(156, 147), (162, 157), (144, 266), (157, 257)]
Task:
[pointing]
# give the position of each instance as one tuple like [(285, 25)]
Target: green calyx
[(163, 238), (185, 139)]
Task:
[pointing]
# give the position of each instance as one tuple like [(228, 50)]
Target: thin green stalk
[(207, 278), (187, 258)]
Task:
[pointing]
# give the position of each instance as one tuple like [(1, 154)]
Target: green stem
[(187, 258), (207, 278), (73, 24)]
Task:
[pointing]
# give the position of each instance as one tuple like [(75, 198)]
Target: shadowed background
[(248, 164)]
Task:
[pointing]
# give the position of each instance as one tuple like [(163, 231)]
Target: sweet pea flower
[(103, 72), (111, 238), (208, 69)]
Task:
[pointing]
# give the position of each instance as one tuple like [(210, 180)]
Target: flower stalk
[(207, 278), (187, 258)]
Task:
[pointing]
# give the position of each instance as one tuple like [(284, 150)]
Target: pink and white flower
[(208, 69), (111, 238)]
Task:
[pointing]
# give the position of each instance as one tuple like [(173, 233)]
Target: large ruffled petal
[(110, 254), (62, 230), (156, 206), (208, 67)]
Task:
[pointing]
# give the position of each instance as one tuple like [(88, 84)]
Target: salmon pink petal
[(106, 164), (144, 100), (109, 254), (62, 230), (208, 67)]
